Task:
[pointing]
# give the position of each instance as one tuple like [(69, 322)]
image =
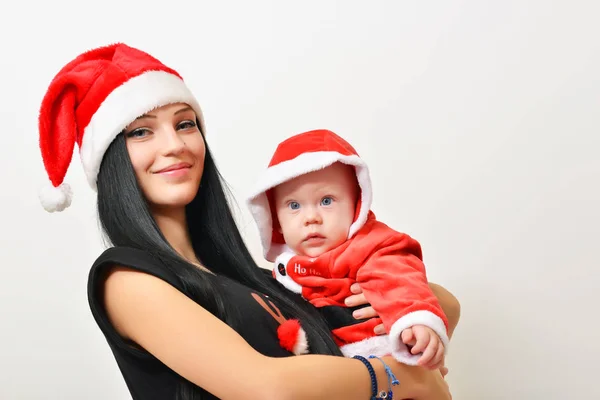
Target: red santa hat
[(91, 100), (298, 155)]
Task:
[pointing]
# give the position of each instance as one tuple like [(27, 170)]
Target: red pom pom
[(292, 337)]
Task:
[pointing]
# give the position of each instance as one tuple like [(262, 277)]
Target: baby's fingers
[(439, 355), (407, 336), (423, 338), (429, 353), (438, 361)]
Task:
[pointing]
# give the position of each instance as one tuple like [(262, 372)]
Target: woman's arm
[(448, 302), (204, 350)]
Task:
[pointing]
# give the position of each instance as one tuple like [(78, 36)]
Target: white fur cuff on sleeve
[(399, 349)]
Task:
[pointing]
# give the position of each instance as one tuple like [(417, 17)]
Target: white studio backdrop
[(480, 121)]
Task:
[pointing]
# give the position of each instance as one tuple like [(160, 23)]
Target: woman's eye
[(294, 205), (327, 201), (186, 125), (137, 133)]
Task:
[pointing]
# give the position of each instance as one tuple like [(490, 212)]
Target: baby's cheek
[(340, 237), (295, 242)]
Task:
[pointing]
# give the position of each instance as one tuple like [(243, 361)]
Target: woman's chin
[(174, 200)]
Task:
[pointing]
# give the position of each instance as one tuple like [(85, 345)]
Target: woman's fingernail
[(379, 330), (357, 315)]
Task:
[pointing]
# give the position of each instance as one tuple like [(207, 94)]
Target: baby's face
[(315, 211)]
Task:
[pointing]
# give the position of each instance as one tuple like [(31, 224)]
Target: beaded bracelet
[(372, 374), (392, 380)]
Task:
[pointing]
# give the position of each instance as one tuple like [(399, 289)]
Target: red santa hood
[(299, 155)]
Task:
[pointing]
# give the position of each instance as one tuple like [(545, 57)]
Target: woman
[(183, 306)]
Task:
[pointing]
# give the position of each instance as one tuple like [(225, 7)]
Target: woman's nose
[(172, 143)]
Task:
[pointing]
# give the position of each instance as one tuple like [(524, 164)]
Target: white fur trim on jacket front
[(399, 349), (303, 164), (123, 105), (285, 279), (377, 346)]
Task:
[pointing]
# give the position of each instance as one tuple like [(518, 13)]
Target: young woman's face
[(167, 152)]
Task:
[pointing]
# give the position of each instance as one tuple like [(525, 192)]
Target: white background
[(479, 119)]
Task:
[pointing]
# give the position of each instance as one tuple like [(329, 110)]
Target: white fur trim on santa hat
[(55, 198), (399, 349), (123, 105), (303, 164)]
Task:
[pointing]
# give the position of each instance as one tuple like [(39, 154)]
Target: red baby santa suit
[(386, 263)]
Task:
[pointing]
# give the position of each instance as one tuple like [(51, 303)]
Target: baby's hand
[(424, 340)]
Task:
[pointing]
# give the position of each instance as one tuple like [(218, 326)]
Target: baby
[(312, 208)]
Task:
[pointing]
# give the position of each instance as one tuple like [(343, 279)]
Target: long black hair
[(126, 220)]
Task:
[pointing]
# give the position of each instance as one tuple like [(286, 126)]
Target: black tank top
[(146, 377)]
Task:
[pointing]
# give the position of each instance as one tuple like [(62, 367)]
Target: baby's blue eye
[(294, 205), (326, 201)]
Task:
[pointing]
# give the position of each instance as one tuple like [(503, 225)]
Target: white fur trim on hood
[(303, 164)]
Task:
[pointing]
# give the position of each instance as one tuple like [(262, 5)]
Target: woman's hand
[(437, 387), (444, 371), (433, 386), (359, 299), (448, 302)]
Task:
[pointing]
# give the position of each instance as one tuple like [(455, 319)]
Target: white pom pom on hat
[(90, 101), (55, 198)]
